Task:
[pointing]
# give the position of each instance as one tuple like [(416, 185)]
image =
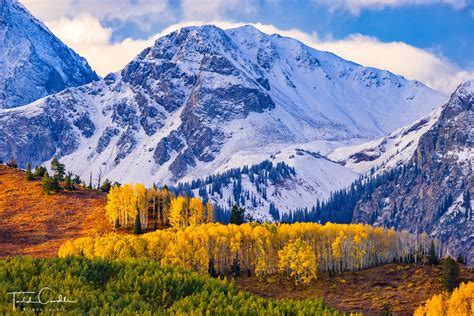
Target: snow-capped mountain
[(431, 187), (33, 62), (203, 100)]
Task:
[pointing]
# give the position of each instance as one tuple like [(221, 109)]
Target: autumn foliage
[(459, 303), (159, 206), (297, 250), (34, 223)]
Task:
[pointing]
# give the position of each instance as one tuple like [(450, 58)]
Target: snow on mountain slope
[(203, 100), (395, 149), (33, 62), (387, 152), (315, 178), (432, 191)]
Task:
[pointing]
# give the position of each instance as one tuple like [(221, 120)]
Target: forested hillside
[(133, 287), (265, 252), (300, 251)]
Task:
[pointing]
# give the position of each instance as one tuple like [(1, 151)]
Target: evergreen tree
[(467, 204), (237, 215), (467, 199), (58, 169), (236, 266), (432, 256), (29, 174), (450, 274), (460, 259), (50, 185), (137, 229), (274, 212), (68, 185), (117, 223), (39, 172), (386, 310), (212, 269), (105, 187), (76, 180)]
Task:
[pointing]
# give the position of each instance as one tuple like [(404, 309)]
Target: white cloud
[(204, 10), (412, 62), (123, 9), (355, 6), (89, 38), (214, 9)]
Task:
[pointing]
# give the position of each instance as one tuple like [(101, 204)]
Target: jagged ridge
[(34, 63)]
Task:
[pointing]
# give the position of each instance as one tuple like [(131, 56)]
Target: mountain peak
[(34, 62), (461, 100), (467, 87), (201, 94)]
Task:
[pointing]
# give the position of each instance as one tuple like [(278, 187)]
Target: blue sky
[(428, 40)]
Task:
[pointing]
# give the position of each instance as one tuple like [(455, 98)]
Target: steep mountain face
[(33, 62), (386, 153), (203, 100), (434, 193)]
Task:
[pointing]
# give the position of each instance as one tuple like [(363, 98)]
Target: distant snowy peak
[(33, 62), (202, 100)]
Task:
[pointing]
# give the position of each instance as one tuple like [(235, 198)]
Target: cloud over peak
[(356, 6), (88, 37)]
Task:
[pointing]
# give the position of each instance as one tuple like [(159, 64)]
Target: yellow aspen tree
[(196, 211), (298, 261), (165, 201), (298, 250), (154, 194), (209, 212), (142, 202), (128, 201), (176, 216), (460, 303), (112, 208)]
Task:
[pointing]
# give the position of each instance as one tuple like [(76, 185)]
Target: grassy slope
[(403, 286), (36, 224)]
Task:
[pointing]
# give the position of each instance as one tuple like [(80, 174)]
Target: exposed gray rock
[(430, 197), (105, 139)]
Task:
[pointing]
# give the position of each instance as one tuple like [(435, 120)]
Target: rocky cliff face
[(33, 62), (433, 196)]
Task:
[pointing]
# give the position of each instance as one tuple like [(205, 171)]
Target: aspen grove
[(160, 206), (298, 250)]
